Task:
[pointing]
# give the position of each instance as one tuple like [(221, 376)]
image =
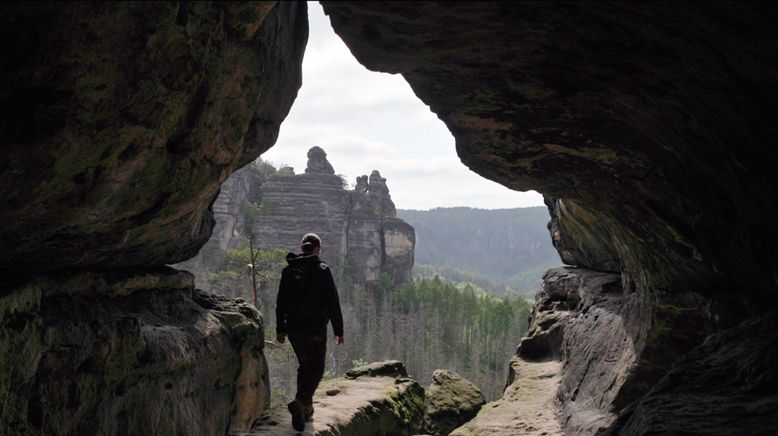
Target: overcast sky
[(372, 121)]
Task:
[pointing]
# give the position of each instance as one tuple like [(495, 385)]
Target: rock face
[(128, 351), (119, 123), (360, 233), (449, 402), (375, 400), (113, 160), (644, 125), (648, 126), (526, 408), (317, 162)]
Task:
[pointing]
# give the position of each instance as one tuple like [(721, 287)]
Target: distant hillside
[(507, 246)]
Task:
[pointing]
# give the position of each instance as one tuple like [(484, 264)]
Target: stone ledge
[(367, 405)]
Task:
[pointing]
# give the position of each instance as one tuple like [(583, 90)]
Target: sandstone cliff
[(119, 123), (649, 126), (360, 233), (645, 126)]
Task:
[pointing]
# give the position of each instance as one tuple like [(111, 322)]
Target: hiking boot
[(297, 410), (308, 412)]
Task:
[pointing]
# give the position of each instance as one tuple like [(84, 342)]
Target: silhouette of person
[(307, 300)]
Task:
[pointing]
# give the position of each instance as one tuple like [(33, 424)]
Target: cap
[(310, 241)]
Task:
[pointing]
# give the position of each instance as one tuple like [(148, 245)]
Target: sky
[(373, 121)]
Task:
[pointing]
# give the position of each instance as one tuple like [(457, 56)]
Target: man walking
[(307, 300)]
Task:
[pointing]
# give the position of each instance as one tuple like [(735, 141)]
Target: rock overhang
[(121, 122), (650, 117)]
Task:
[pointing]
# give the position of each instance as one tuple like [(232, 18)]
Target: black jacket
[(307, 296)]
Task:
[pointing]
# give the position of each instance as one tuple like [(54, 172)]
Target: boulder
[(450, 401), (390, 368), (317, 162)]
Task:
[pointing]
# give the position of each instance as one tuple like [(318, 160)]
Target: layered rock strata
[(376, 400), (128, 352), (119, 123), (644, 125), (122, 120), (360, 232)]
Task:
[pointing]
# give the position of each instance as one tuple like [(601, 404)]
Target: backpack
[(297, 277)]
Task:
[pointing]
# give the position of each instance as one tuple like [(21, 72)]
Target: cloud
[(367, 120)]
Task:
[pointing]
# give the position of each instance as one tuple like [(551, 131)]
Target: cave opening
[(648, 126), (480, 248)]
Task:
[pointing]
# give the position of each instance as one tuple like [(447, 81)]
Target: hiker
[(307, 300)]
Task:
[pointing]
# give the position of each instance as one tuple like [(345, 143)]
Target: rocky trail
[(527, 407), (382, 404)]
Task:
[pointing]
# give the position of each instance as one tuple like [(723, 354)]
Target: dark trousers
[(311, 349)]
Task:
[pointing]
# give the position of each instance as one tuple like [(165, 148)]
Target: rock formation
[(84, 352), (648, 126), (360, 233), (317, 162), (449, 402), (378, 399), (645, 126), (119, 123)]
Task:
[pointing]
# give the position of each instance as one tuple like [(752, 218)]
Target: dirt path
[(527, 408)]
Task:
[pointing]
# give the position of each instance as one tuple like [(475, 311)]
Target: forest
[(428, 323), (504, 251)]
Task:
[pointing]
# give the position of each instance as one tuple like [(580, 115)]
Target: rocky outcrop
[(592, 329), (126, 352), (644, 125), (232, 209), (725, 386), (649, 126), (360, 233), (527, 406), (450, 401), (374, 400), (317, 162), (122, 120), (119, 123)]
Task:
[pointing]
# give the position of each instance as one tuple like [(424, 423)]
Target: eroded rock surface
[(375, 400), (528, 406), (725, 386), (121, 120), (609, 107), (126, 352), (358, 227), (644, 125)]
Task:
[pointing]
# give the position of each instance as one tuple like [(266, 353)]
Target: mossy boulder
[(450, 402)]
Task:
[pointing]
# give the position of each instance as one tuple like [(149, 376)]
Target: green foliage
[(463, 277), (250, 212), (285, 170), (233, 276), (432, 323), (343, 181), (508, 246), (266, 169)]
